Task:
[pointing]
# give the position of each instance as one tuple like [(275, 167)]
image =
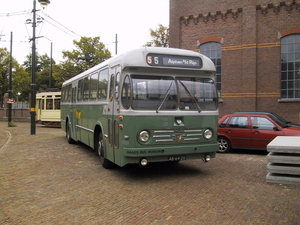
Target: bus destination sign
[(174, 61)]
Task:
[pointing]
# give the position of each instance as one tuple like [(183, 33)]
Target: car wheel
[(224, 145)]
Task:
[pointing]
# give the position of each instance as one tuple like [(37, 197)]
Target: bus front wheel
[(100, 152), (68, 134)]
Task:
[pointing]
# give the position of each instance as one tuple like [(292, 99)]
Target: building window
[(213, 51), (290, 66)]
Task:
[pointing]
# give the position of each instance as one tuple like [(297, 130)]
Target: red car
[(252, 130)]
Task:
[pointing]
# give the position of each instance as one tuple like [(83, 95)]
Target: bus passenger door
[(112, 152)]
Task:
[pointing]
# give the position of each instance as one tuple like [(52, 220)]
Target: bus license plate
[(177, 158)]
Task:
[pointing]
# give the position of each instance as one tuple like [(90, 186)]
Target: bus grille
[(179, 136)]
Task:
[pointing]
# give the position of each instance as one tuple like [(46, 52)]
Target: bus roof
[(137, 58)]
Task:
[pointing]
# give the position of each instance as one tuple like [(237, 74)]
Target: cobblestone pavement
[(45, 180)]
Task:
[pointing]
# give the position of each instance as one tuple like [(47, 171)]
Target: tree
[(160, 37), (43, 74), (4, 72), (43, 63), (21, 82), (88, 53), (20, 78)]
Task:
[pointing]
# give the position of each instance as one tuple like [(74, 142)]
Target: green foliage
[(11, 124), (21, 82), (88, 53), (42, 71), (160, 37), (19, 76), (4, 72)]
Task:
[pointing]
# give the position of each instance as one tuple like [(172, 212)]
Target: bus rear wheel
[(100, 152)]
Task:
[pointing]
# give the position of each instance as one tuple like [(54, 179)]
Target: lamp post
[(10, 80), (43, 3)]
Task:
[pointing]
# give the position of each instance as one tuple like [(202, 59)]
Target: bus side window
[(126, 92), (73, 95), (69, 93), (117, 86), (103, 84), (93, 86), (63, 90), (111, 87), (49, 103), (86, 89), (43, 103), (57, 103), (79, 93)]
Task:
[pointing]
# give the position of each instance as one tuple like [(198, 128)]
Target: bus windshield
[(144, 92)]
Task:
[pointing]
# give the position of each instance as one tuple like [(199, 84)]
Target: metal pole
[(10, 79), (33, 68), (116, 44)]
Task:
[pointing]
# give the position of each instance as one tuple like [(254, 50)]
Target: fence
[(20, 112)]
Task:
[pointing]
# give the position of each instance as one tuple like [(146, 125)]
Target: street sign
[(10, 101)]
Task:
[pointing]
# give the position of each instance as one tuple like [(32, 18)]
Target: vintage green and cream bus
[(146, 105)]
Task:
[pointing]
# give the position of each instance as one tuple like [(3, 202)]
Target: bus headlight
[(208, 134), (144, 136)]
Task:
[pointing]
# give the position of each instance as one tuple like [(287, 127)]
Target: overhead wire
[(47, 19), (70, 31), (60, 27), (12, 14), (15, 13)]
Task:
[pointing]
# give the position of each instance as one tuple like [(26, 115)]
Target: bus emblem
[(178, 137)]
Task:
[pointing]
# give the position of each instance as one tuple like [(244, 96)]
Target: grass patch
[(12, 124)]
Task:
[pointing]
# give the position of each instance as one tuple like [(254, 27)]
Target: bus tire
[(68, 134), (99, 149), (224, 145)]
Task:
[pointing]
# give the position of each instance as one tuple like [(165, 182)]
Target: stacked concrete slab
[(284, 160)]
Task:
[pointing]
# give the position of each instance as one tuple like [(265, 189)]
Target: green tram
[(146, 105)]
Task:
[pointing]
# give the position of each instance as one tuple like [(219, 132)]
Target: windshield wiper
[(190, 94), (166, 95)]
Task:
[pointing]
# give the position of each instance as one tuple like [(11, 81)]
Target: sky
[(68, 20)]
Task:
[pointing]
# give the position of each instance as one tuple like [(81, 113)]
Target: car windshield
[(282, 122), (144, 92)]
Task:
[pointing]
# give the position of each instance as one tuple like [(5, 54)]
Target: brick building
[(255, 46)]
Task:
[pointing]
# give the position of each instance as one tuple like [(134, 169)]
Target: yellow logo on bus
[(78, 114)]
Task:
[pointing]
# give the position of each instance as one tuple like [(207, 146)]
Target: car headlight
[(208, 134), (144, 136)]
